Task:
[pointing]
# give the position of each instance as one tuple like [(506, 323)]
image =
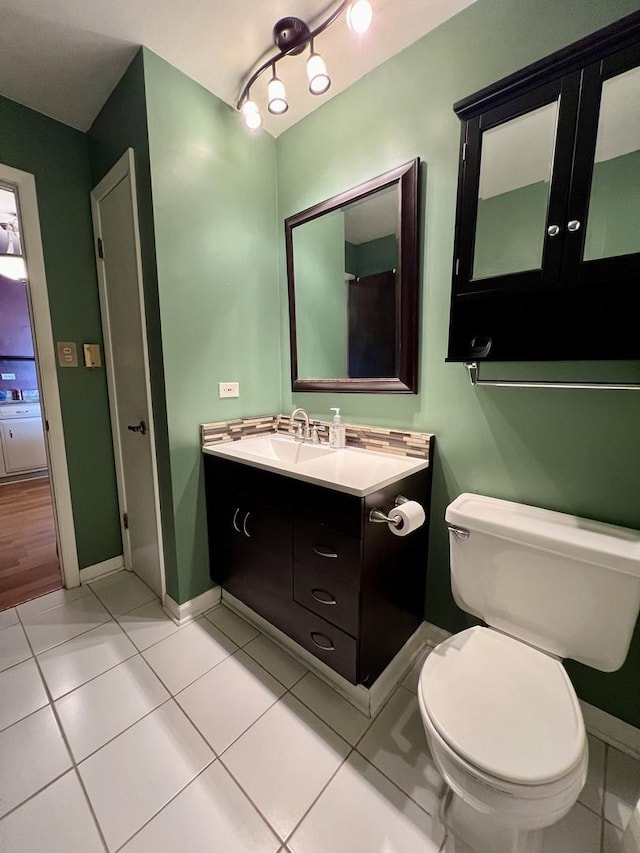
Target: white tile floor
[(120, 731)]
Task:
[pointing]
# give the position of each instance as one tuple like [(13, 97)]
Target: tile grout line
[(74, 765), (169, 801)]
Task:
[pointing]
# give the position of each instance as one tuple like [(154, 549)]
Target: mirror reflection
[(346, 264), (513, 196), (614, 205), (352, 271)]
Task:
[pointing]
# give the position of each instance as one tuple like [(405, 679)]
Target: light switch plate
[(67, 354), (228, 389)]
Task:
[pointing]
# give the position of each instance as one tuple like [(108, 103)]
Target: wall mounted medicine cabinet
[(547, 247)]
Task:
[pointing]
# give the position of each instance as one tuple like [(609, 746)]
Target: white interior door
[(119, 270)]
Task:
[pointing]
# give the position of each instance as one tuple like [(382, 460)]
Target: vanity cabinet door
[(250, 541), (265, 563)]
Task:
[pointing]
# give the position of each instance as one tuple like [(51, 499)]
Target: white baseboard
[(183, 613), (99, 570), (610, 729), (364, 699)]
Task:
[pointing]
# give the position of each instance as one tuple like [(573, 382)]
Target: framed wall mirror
[(352, 269)]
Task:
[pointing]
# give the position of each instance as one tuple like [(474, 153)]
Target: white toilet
[(501, 716)]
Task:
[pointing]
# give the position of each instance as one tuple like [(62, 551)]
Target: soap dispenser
[(337, 431)]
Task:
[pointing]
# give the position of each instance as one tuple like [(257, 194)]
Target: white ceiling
[(63, 57)]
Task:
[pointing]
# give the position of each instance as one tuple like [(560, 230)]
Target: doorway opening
[(29, 563)]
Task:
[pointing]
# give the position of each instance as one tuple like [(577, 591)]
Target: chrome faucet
[(300, 434)]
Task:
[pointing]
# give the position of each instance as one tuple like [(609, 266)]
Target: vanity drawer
[(328, 643), (329, 598), (321, 547)]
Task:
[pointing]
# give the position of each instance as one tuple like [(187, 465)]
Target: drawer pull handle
[(326, 646), (323, 597), (324, 551), (235, 519)]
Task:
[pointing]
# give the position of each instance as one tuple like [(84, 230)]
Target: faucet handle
[(299, 434), (315, 438)]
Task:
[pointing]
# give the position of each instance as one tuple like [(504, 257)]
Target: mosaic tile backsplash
[(404, 442)]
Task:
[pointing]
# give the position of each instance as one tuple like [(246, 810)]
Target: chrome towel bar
[(474, 377)]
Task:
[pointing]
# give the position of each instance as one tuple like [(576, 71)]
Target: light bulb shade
[(251, 115), (359, 16), (319, 80), (277, 97)]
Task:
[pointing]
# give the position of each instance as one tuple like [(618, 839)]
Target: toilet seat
[(506, 711)]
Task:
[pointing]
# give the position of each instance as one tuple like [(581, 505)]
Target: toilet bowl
[(516, 751), (501, 716)]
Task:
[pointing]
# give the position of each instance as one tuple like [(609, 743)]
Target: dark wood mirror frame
[(407, 178)]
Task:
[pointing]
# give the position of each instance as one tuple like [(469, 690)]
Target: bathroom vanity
[(290, 536)]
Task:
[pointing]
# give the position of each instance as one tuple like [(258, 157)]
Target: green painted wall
[(58, 157), (321, 297), (614, 208), (575, 451), (122, 124), (373, 256), (213, 188)]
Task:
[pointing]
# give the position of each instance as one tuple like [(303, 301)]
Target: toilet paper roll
[(411, 515)]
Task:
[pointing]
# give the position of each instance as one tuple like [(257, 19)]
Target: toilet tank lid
[(595, 542)]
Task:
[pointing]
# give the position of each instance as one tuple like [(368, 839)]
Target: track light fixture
[(291, 36)]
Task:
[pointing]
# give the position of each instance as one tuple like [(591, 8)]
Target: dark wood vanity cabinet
[(547, 247), (308, 560)]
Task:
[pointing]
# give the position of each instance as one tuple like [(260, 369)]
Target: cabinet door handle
[(573, 225), (10, 433), (553, 230), (326, 646), (244, 525), (323, 597), (235, 519), (324, 551)]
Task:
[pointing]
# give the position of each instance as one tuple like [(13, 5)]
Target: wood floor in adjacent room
[(29, 564)]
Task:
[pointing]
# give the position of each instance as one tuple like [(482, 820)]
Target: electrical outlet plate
[(228, 389)]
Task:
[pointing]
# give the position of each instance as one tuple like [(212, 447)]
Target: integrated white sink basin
[(357, 472), (280, 448)]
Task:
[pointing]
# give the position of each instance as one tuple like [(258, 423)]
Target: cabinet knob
[(553, 230), (573, 225)]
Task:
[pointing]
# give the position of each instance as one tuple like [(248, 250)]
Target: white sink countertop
[(348, 469)]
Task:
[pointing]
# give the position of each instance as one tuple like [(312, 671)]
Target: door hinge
[(125, 520), (46, 426), (100, 248)]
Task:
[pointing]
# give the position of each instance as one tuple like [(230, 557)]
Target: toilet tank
[(567, 585)]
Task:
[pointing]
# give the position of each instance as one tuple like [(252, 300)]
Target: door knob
[(141, 428), (573, 225)]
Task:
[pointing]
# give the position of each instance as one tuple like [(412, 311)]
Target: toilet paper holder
[(378, 517)]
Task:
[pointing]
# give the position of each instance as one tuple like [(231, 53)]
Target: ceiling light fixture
[(291, 36), (277, 95), (359, 16), (319, 80)]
